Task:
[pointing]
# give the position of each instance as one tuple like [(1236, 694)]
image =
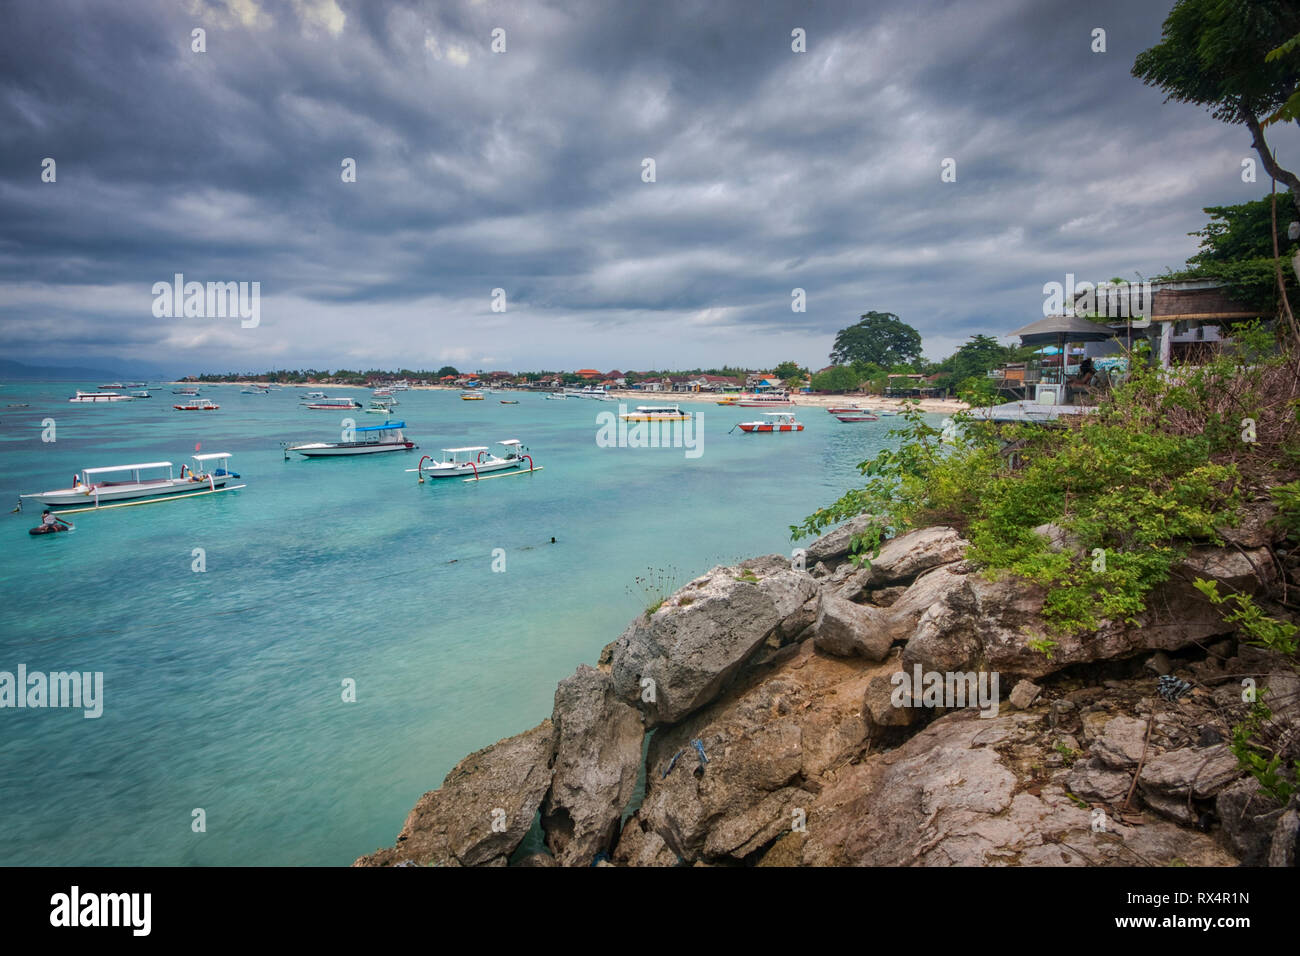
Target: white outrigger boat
[(381, 406), (92, 486), (370, 440), (95, 397), (656, 413), (475, 460)]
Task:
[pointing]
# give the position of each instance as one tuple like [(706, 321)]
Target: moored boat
[(380, 406), (91, 486), (470, 397), (86, 398), (187, 390), (656, 413), (859, 417), (764, 400), (141, 394), (333, 404), (198, 405), (369, 440), (474, 460), (773, 422)]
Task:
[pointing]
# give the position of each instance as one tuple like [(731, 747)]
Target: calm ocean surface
[(223, 689)]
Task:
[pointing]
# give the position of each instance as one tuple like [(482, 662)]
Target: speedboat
[(314, 395), (198, 405), (95, 397), (141, 394), (764, 400), (474, 460), (369, 440), (555, 396), (774, 422), (863, 416), (656, 413), (91, 486), (844, 409), (115, 385)]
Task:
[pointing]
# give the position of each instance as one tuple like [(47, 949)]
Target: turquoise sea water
[(223, 689)]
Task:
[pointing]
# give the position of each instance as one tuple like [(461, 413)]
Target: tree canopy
[(879, 337), (1216, 54)]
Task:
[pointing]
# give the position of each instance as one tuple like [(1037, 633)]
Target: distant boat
[(509, 401), (860, 417), (764, 400), (656, 413), (114, 385), (775, 422), (470, 397), (141, 394), (187, 390), (198, 405), (369, 440), (555, 396), (96, 397), (91, 486), (315, 395), (380, 406), (333, 404)]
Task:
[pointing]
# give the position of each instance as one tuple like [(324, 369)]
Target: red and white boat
[(198, 405), (863, 416), (774, 422), (847, 409)]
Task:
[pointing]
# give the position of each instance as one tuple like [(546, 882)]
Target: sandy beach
[(936, 405)]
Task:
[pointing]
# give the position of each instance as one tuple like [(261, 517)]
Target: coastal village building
[(1184, 321)]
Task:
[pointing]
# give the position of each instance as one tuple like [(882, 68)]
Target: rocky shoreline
[(780, 731)]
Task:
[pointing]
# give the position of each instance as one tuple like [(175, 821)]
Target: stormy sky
[(523, 170)]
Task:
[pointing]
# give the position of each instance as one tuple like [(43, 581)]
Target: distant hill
[(11, 371)]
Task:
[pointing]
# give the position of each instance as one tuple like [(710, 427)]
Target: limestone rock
[(484, 808), (597, 760), (698, 640)]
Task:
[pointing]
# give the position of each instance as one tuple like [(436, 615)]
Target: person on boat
[(48, 520)]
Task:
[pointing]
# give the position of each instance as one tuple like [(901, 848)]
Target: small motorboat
[(198, 405), (860, 417), (188, 391), (369, 440), (470, 397), (509, 401), (773, 422), (556, 396), (141, 394)]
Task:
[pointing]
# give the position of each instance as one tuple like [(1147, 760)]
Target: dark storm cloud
[(523, 171)]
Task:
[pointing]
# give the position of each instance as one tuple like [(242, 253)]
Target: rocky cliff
[(892, 714)]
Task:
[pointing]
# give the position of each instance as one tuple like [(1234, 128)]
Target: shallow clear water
[(223, 689)]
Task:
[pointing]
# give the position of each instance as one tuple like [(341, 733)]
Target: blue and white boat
[(368, 440)]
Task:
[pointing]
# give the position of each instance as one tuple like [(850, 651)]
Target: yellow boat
[(470, 397)]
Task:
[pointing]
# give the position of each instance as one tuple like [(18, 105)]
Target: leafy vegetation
[(1159, 467)]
